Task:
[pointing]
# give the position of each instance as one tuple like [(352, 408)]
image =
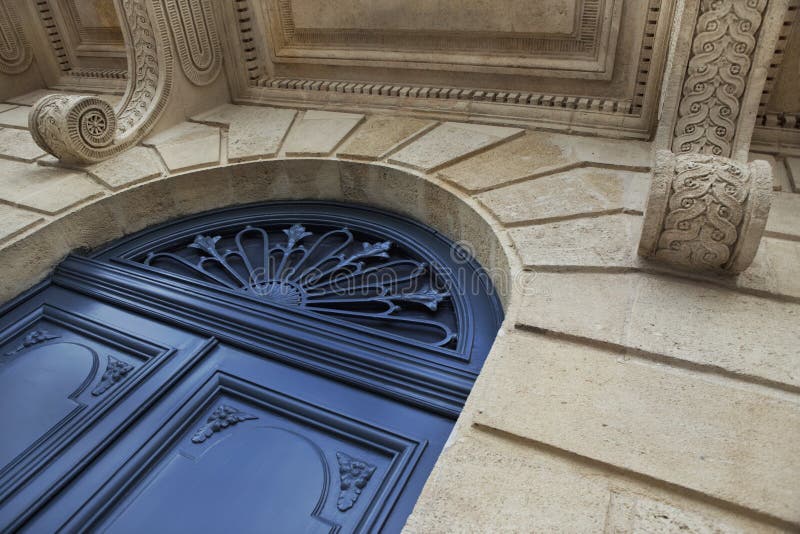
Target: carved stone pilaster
[(80, 129), (706, 212), (15, 52)]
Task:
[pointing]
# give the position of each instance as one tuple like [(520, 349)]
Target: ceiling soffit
[(593, 66), (86, 39), (562, 38), (778, 121)]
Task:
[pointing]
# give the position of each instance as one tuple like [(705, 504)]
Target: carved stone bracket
[(84, 129), (706, 212), (722, 52)]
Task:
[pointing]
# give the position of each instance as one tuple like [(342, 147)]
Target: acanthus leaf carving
[(116, 371), (34, 337), (706, 212), (84, 129), (15, 51), (353, 476), (221, 418), (716, 77)]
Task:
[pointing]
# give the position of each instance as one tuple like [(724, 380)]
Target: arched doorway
[(289, 366)]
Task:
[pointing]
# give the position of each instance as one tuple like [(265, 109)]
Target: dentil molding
[(706, 212)]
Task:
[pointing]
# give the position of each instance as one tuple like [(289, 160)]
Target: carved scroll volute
[(85, 129), (706, 212)]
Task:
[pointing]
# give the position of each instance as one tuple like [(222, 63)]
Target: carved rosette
[(82, 129), (716, 77), (15, 53), (706, 212), (72, 127)]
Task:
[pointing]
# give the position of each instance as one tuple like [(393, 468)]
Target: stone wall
[(620, 395)]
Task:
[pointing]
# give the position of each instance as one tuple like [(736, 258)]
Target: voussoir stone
[(318, 133), (380, 134), (127, 168), (567, 194), (450, 142), (16, 117), (538, 154), (742, 334), (18, 144), (187, 145), (254, 132), (13, 221), (671, 424), (46, 189), (606, 241)]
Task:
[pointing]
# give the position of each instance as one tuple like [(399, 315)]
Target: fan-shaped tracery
[(329, 270)]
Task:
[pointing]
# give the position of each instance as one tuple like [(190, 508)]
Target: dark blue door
[(283, 367)]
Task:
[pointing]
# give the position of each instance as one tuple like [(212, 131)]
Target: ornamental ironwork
[(331, 271)]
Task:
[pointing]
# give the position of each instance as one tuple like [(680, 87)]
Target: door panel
[(256, 442), (135, 398), (67, 379)]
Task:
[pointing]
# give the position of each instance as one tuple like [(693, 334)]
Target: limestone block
[(608, 241), (710, 326), (45, 189), (490, 483), (16, 117), (318, 133), (6, 107), (449, 143), (630, 513), (485, 484), (784, 216), (567, 194), (254, 132), (127, 168), (380, 135), (14, 221), (187, 145), (793, 170), (539, 154), (18, 144), (676, 425)]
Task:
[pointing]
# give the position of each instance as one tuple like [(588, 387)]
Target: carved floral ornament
[(716, 77), (706, 212)]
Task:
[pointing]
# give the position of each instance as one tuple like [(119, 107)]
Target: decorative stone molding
[(706, 212), (82, 129), (722, 51), (195, 31), (15, 52)]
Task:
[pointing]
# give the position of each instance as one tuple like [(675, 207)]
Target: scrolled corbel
[(86, 129), (706, 212)]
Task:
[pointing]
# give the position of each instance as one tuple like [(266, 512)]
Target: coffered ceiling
[(589, 65)]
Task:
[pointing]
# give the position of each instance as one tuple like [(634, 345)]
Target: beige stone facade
[(647, 375)]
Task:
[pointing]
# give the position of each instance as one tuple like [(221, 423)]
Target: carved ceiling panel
[(86, 38), (574, 38), (589, 65)]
